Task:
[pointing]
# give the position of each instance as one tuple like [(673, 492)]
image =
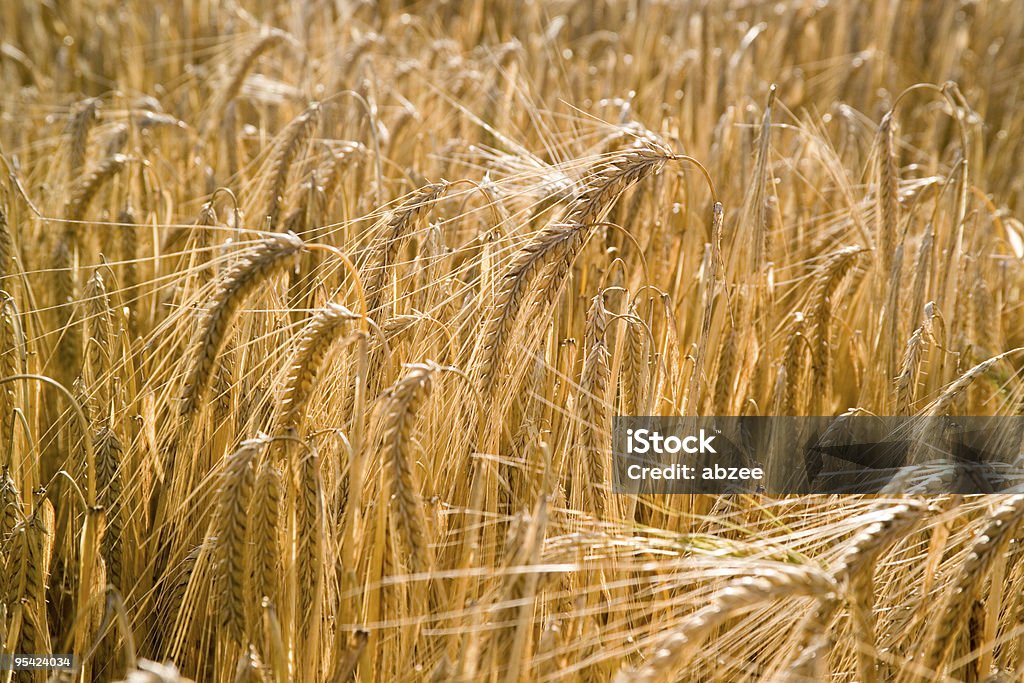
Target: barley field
[(315, 316)]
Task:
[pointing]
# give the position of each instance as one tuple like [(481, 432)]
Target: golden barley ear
[(907, 379), (404, 398), (9, 359), (99, 335), (263, 544), (955, 388), (989, 544), (679, 647), (29, 569), (225, 95), (110, 489), (384, 249), (79, 125), (254, 267), (310, 558), (826, 285), (230, 532), (88, 186), (294, 139), (6, 247), (544, 261), (11, 513), (595, 435), (317, 338), (888, 214), (856, 572), (636, 368)]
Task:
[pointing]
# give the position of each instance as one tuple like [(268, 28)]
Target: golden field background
[(315, 316)]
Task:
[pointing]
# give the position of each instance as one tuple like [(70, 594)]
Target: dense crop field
[(315, 316)]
